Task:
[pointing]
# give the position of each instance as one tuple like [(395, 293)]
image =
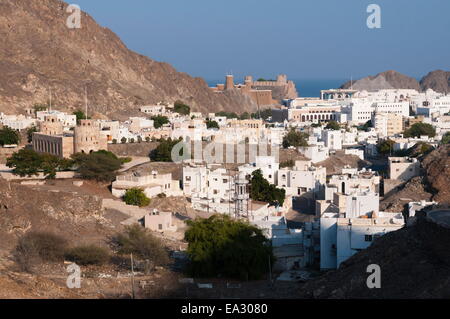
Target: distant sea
[(312, 88), (305, 87)]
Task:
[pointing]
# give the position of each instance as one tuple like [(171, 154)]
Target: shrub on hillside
[(136, 197), (36, 247), (142, 244), (88, 255)]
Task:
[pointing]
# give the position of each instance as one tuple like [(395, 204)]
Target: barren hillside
[(38, 51)]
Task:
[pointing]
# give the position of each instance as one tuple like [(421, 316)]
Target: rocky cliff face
[(438, 80), (384, 80), (39, 52), (437, 167), (62, 212)]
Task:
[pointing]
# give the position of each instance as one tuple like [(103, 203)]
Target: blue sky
[(314, 39)]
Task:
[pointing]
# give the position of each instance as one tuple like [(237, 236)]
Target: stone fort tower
[(51, 126), (229, 82), (87, 137)]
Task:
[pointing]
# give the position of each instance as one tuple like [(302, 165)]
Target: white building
[(387, 124), (302, 178), (139, 124), (68, 120), (350, 224), (351, 181), (268, 166), (155, 110), (153, 184), (208, 183), (359, 111), (316, 153), (159, 221), (332, 139), (17, 122), (403, 168), (435, 106)]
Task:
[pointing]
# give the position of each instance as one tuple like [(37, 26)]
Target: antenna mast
[(86, 101), (50, 98)]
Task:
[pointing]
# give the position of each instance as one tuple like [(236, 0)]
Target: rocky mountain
[(39, 53), (385, 80), (437, 168), (437, 80)]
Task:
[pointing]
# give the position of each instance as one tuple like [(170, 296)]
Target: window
[(160, 227), (368, 238)]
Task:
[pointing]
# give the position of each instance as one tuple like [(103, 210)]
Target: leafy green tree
[(385, 147), (446, 138), (288, 163), (51, 164), (420, 129), (181, 108), (8, 136), (366, 126), (39, 108), (163, 152), (212, 124), (295, 139), (25, 162), (123, 140), (221, 246), (159, 121), (30, 131), (265, 114), (228, 115), (136, 197), (80, 116), (244, 116), (262, 190), (333, 125), (101, 166)]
